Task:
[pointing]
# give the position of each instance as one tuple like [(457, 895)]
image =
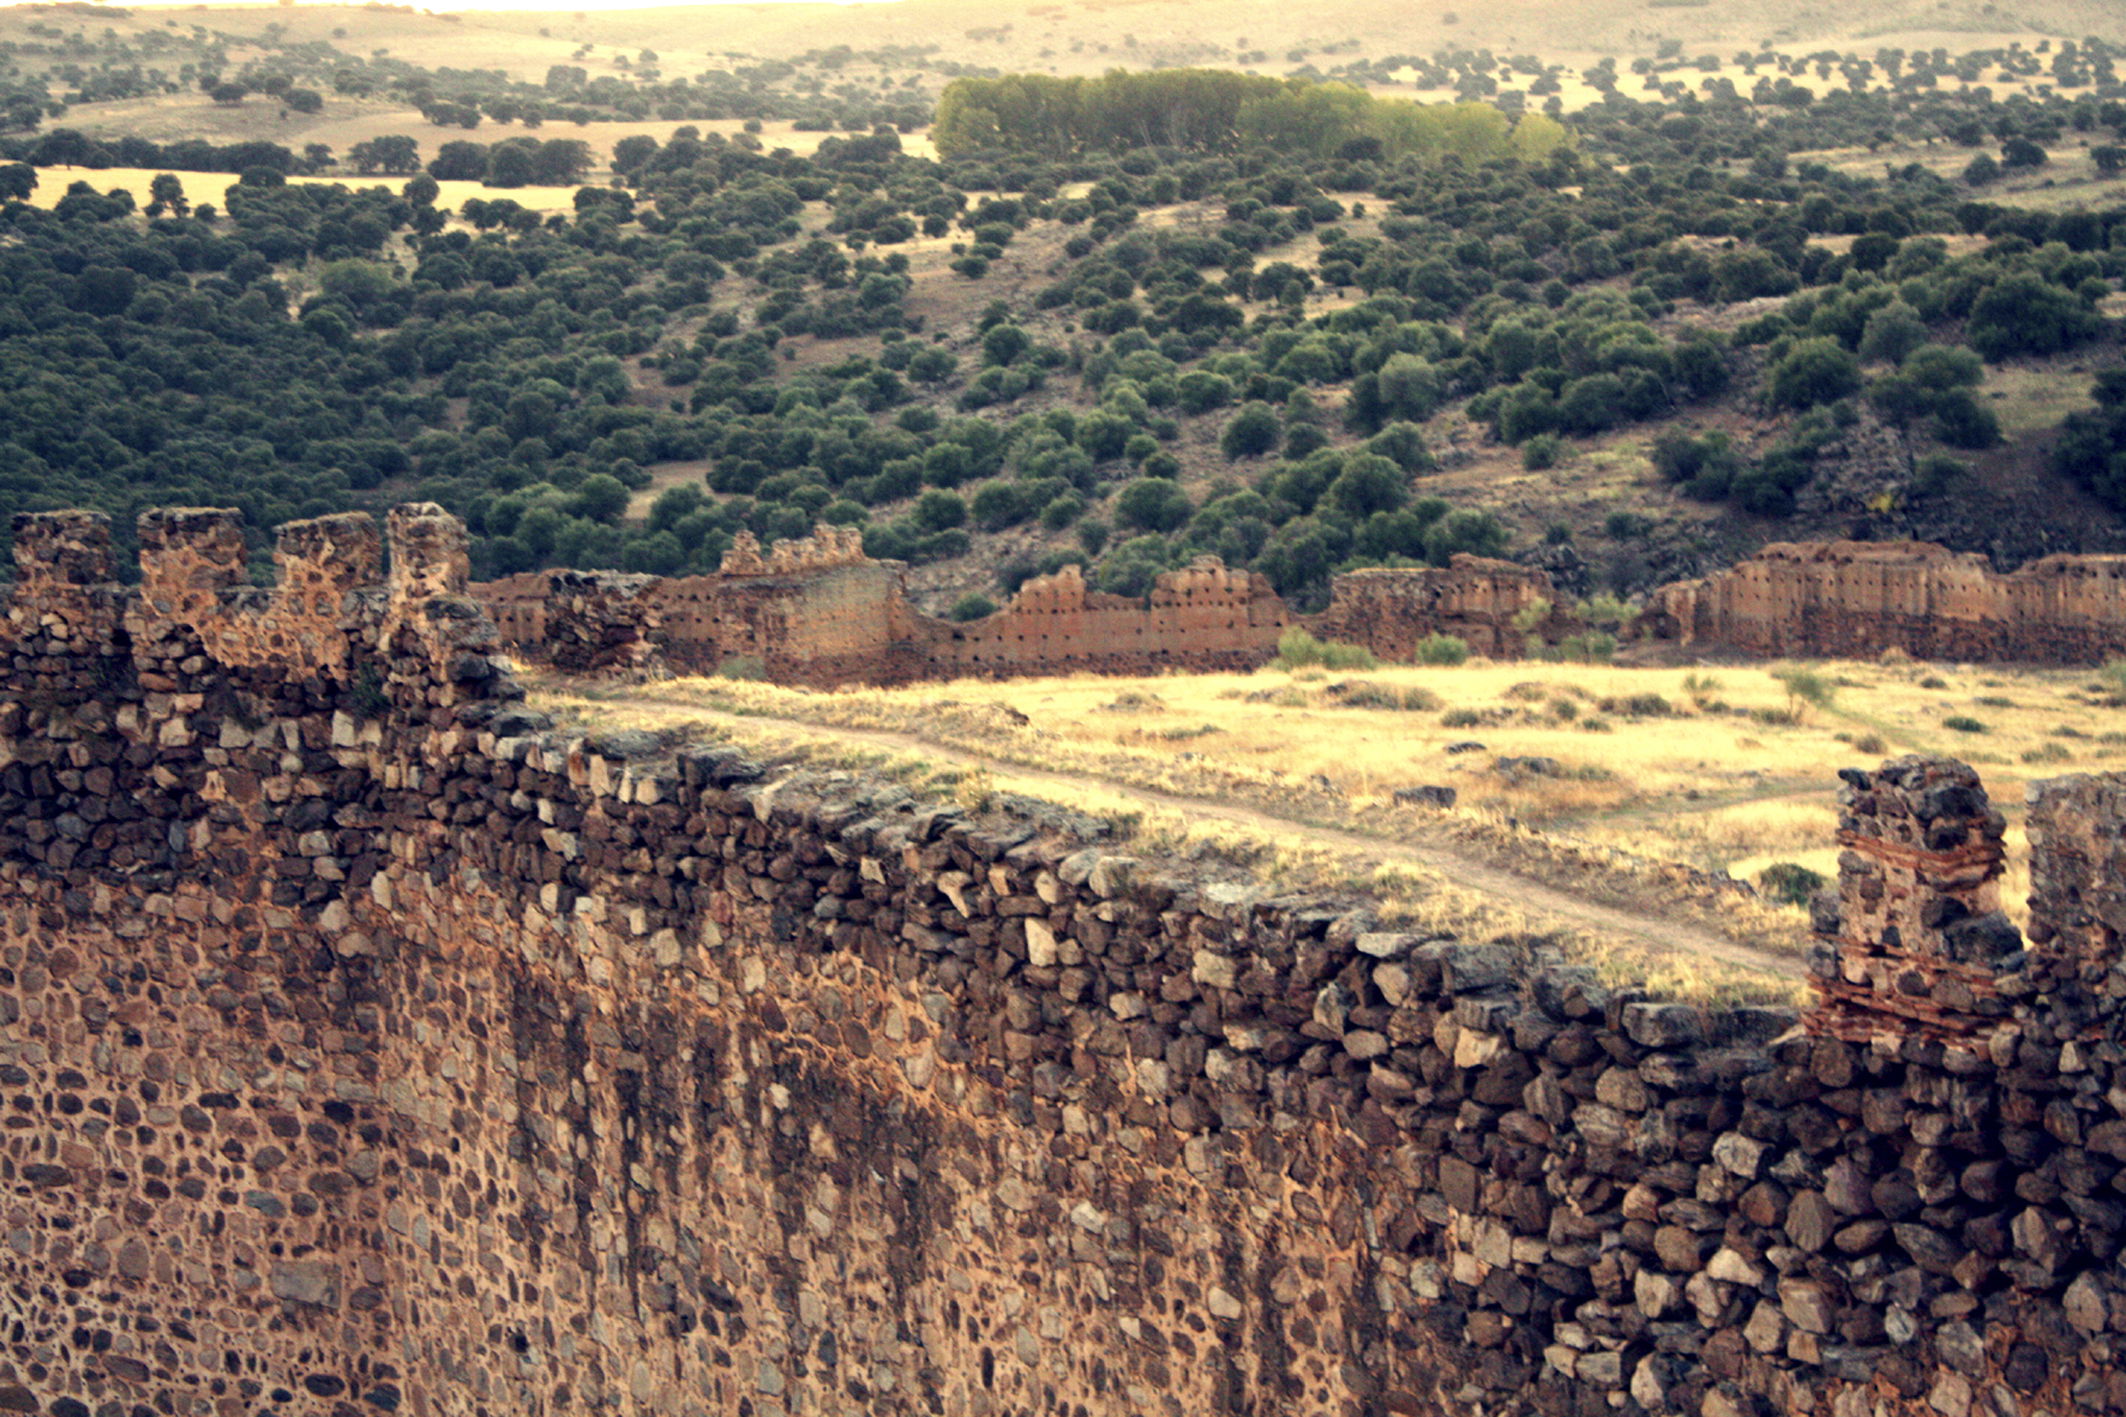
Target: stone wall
[(819, 612), (1199, 619), (1853, 598), (369, 1046), (1479, 600)]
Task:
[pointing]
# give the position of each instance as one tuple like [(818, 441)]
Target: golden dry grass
[(1722, 770), (213, 187), (1281, 856)]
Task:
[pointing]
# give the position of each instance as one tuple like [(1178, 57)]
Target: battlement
[(1915, 931), (827, 547), (2077, 830), (62, 549), (430, 554), (330, 602)]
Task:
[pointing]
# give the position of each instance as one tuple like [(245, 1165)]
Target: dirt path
[(1465, 869)]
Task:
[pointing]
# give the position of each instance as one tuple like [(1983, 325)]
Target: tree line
[(1217, 110)]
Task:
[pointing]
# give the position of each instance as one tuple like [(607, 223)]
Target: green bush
[(1806, 686), (1542, 451), (1298, 649), (1592, 647), (1963, 723), (1788, 883), (1442, 650), (1815, 371), (972, 606)]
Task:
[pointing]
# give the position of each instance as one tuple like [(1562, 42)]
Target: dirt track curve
[(1465, 869)]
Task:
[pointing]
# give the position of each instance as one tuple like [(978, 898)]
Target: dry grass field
[(213, 187), (1637, 786)]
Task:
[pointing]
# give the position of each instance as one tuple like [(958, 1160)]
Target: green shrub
[(1463, 718), (1442, 650), (1806, 686), (2111, 682), (972, 606), (1591, 647), (1789, 883), (1542, 451), (743, 666), (1414, 698), (1298, 649), (1963, 723)]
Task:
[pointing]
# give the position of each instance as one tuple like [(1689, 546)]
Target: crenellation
[(2077, 831), (389, 1049), (188, 557), (1916, 930), (54, 549), (430, 554)]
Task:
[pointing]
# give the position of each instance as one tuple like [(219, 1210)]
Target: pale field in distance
[(213, 187)]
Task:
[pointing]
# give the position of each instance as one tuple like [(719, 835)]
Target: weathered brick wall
[(1852, 598), (1202, 618), (1483, 602), (818, 612), (368, 1046)]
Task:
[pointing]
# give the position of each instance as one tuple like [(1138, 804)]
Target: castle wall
[(823, 614), (1202, 618), (1478, 600), (1850, 598), (369, 1046), (818, 612)]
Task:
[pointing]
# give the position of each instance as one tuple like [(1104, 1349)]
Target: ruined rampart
[(1855, 599), (819, 612), (1492, 606), (368, 1046)]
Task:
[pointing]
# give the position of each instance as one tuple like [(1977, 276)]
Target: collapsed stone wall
[(1202, 618), (819, 612), (1855, 599), (370, 1046), (1494, 606)]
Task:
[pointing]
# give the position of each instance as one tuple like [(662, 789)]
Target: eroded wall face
[(196, 1157), (1492, 606), (786, 1196), (1856, 599), (847, 621)]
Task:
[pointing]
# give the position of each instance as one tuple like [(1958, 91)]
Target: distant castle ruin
[(819, 611)]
